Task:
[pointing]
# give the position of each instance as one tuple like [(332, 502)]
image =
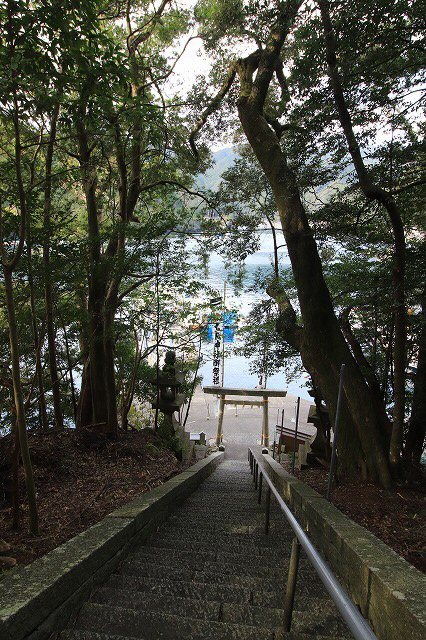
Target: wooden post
[(265, 426), (220, 421), (295, 434)]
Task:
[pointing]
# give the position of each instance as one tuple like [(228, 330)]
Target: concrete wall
[(390, 593), (38, 599)]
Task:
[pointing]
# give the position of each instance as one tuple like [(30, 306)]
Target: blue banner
[(228, 320)]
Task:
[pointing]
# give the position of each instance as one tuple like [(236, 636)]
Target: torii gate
[(265, 394)]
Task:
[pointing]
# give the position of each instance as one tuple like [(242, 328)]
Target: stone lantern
[(168, 382)]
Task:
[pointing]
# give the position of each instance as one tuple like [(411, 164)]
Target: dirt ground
[(398, 517), (79, 481)]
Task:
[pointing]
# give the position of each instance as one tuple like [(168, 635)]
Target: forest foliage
[(99, 158)]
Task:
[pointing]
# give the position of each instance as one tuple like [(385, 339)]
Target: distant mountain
[(223, 160)]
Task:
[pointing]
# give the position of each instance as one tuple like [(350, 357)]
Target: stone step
[(313, 621), (82, 634), (143, 602), (173, 573), (254, 534), (215, 515), (220, 592), (161, 626), (79, 634), (316, 619), (182, 589), (213, 576), (230, 545), (222, 565), (200, 498), (272, 560), (212, 524), (163, 554), (209, 518)]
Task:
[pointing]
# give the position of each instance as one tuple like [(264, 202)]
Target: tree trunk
[(374, 192), (350, 449), (8, 267), (128, 394), (48, 289), (417, 425), (324, 347), (44, 423), (97, 282), (16, 511), (70, 370), (110, 385), (19, 400), (84, 406), (367, 371), (323, 340)]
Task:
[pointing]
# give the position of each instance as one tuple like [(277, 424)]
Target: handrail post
[(267, 509), (295, 434), (356, 624), (291, 583), (259, 498), (256, 474)]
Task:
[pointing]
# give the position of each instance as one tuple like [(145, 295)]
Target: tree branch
[(213, 106)]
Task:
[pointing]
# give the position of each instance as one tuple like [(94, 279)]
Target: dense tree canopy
[(98, 162)]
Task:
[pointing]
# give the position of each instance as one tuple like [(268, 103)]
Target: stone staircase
[(210, 573)]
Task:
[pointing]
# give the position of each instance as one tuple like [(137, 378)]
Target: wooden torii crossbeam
[(265, 394)]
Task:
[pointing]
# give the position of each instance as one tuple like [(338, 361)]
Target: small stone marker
[(198, 437)]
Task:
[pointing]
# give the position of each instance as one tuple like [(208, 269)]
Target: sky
[(194, 60)]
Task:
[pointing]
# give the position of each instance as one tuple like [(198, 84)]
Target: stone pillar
[(265, 424), (219, 436)]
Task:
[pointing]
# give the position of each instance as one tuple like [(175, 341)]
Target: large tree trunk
[(324, 346), (323, 340), (375, 192), (100, 310), (350, 449), (48, 288)]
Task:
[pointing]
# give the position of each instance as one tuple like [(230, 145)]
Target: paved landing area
[(242, 426)]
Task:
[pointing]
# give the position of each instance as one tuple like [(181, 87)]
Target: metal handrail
[(349, 612)]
